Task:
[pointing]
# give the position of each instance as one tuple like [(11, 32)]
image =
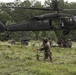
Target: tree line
[(10, 16)]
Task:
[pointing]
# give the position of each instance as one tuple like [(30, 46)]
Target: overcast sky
[(39, 0)]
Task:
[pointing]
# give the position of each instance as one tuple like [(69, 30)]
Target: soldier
[(46, 49), (50, 43), (60, 41), (69, 43), (64, 43)]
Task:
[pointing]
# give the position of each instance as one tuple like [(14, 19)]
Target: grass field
[(21, 60)]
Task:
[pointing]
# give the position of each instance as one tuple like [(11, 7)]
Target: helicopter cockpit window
[(70, 20), (74, 18), (66, 19)]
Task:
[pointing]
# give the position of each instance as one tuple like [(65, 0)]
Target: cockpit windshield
[(74, 18)]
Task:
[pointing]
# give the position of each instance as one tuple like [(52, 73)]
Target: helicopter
[(44, 22)]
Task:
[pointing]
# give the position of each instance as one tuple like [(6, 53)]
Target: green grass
[(21, 60)]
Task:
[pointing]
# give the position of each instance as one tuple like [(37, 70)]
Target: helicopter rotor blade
[(54, 8), (32, 8), (69, 9)]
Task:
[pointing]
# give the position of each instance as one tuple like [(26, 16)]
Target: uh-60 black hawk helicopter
[(46, 22)]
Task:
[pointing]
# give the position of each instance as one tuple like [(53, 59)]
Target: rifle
[(37, 56)]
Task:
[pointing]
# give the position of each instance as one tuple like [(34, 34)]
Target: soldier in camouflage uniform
[(69, 43), (64, 43), (60, 42), (46, 49)]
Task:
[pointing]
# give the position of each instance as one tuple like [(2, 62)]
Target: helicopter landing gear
[(65, 32)]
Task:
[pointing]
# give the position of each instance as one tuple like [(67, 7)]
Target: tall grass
[(21, 60)]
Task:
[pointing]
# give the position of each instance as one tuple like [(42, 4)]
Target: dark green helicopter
[(44, 22)]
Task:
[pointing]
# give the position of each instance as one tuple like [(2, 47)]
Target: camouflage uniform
[(46, 48), (64, 43), (60, 42), (69, 43), (50, 43)]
